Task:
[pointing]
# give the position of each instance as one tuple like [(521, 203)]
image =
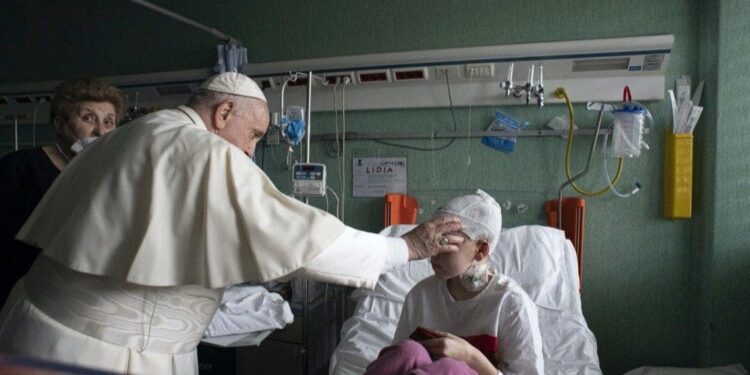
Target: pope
[(144, 229)]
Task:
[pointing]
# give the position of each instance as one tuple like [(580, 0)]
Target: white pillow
[(534, 256)]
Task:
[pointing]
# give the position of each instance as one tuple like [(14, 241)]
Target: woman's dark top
[(25, 176)]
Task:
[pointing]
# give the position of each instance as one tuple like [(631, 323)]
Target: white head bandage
[(235, 84), (479, 213)]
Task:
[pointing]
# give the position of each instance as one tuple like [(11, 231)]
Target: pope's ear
[(222, 114)]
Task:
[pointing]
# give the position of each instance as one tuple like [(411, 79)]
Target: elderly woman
[(81, 110)]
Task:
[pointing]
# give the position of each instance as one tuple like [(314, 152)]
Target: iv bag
[(293, 125)]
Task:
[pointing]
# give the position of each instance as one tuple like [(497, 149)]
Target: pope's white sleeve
[(356, 258)]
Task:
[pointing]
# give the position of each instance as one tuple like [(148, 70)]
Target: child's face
[(450, 265)]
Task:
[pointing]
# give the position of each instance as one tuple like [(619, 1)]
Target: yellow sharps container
[(678, 175)]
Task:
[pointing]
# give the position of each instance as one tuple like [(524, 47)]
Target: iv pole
[(225, 37), (305, 302)]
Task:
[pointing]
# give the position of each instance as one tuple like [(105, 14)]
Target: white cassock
[(144, 229)]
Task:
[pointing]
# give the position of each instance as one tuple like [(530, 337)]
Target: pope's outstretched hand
[(433, 237)]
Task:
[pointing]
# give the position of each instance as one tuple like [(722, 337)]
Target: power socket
[(480, 70)]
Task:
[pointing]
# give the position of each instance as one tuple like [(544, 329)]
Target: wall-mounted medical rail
[(355, 136)]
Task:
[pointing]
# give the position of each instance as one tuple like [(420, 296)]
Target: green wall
[(655, 292), (725, 315), (705, 181)]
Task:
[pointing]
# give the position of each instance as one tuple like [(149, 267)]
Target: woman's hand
[(452, 346)]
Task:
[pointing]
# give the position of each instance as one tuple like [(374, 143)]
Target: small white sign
[(374, 177)]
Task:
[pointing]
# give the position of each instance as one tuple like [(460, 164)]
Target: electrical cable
[(432, 154), (443, 147), (450, 101), (415, 148), (339, 168), (322, 80), (468, 134), (562, 94), (337, 200), (343, 153)]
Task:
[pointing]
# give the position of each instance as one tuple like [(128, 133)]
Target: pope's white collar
[(193, 115)]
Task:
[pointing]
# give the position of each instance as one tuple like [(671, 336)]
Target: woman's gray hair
[(69, 95)]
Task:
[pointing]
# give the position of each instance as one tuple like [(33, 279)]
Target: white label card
[(374, 177)]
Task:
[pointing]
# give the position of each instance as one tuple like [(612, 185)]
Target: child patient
[(466, 318)]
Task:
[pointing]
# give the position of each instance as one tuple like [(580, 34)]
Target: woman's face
[(450, 265), (92, 119)]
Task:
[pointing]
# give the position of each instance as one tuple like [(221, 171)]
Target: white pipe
[(308, 114), (169, 13), (15, 131)]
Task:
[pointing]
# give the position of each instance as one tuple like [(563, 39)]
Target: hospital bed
[(539, 258)]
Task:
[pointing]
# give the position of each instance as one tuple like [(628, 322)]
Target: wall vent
[(410, 75), (373, 76)]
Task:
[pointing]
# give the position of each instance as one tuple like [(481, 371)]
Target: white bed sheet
[(539, 258)]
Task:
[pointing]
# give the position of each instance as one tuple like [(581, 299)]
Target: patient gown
[(141, 232)]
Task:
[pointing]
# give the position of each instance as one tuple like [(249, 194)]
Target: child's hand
[(422, 333), (452, 346), (448, 345)]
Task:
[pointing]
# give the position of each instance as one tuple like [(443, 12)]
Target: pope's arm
[(357, 258), (284, 235)]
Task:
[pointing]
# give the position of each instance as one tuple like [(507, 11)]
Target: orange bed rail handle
[(573, 223), (400, 209)]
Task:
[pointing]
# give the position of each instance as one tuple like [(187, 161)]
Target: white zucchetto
[(235, 84)]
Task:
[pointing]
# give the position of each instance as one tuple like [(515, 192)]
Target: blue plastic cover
[(504, 122), (294, 131)]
